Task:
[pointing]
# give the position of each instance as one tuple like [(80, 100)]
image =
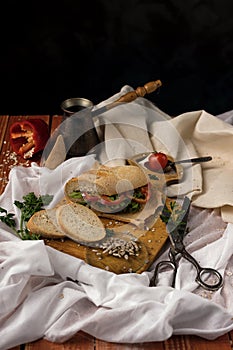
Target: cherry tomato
[(157, 161)]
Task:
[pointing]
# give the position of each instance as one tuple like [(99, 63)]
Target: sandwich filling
[(130, 201)]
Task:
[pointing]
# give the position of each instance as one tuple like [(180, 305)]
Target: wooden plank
[(101, 345), (3, 126), (8, 158), (81, 341), (176, 342), (56, 121), (196, 343)]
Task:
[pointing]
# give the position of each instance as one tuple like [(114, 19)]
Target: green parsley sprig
[(30, 205), (174, 215)]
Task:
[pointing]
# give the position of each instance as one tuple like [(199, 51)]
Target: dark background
[(53, 50)]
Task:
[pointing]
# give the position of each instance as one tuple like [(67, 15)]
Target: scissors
[(176, 232)]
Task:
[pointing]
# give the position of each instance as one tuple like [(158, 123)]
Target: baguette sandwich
[(121, 193)]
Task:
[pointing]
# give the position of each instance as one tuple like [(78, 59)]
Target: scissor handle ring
[(204, 270), (213, 272)]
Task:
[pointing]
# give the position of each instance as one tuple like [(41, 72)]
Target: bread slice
[(107, 181), (61, 202), (80, 223), (44, 223)]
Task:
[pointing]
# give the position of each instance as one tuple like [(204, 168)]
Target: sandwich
[(121, 193)]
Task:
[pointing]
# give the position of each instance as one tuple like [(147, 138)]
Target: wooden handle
[(140, 91)]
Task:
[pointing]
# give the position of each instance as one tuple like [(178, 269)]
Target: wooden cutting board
[(149, 241)]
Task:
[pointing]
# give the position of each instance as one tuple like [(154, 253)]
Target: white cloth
[(40, 298), (118, 308), (140, 127)]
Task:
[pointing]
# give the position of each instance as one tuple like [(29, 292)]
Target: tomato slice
[(145, 190), (105, 200)]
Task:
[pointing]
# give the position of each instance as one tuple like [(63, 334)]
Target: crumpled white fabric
[(140, 127), (45, 293)]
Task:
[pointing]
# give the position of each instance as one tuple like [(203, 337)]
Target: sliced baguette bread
[(44, 223), (80, 223)]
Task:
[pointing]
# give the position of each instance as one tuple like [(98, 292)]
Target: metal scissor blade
[(177, 224)]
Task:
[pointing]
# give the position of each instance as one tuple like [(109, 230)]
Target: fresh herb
[(113, 197), (138, 194), (8, 219), (174, 215), (76, 194), (166, 213), (30, 205), (132, 207)]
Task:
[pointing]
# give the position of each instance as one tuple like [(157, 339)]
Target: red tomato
[(157, 161), (107, 201)]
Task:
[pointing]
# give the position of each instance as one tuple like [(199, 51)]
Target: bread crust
[(44, 223), (107, 181)]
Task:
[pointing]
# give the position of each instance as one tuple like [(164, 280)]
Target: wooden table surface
[(82, 340)]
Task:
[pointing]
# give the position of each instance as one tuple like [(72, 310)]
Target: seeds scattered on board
[(120, 248)]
